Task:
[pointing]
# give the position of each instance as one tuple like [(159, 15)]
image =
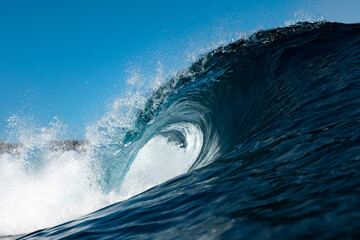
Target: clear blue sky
[(70, 58)]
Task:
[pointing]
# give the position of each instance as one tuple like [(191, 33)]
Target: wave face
[(263, 135)]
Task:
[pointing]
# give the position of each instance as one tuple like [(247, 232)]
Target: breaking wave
[(260, 139)]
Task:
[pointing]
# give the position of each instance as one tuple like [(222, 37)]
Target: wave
[(260, 139)]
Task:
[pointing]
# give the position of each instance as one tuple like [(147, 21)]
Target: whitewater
[(257, 139)]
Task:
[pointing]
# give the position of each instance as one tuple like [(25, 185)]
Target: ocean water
[(258, 139)]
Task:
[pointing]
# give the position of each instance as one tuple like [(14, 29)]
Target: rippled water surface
[(260, 140)]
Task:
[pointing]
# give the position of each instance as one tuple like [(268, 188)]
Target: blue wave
[(279, 117)]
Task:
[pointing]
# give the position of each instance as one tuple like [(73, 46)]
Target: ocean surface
[(258, 139)]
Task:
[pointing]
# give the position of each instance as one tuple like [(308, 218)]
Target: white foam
[(60, 190), (40, 187)]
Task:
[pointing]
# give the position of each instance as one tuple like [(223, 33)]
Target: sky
[(72, 59)]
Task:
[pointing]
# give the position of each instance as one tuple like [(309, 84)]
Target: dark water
[(280, 117)]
